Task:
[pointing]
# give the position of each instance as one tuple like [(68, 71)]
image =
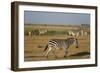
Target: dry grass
[(35, 45)]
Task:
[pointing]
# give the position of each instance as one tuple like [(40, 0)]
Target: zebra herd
[(69, 33), (78, 33), (36, 32)]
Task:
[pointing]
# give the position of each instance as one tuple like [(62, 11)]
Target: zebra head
[(73, 41)]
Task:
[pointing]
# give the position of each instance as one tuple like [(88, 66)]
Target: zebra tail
[(46, 48)]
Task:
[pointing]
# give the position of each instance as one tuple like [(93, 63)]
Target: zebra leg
[(48, 51), (66, 52)]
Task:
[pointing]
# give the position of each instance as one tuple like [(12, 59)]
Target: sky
[(56, 18)]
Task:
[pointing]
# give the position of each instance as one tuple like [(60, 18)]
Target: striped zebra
[(55, 44)]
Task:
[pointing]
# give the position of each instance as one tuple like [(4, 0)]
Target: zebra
[(41, 32), (71, 33), (64, 44)]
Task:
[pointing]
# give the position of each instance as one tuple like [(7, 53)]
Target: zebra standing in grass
[(55, 44)]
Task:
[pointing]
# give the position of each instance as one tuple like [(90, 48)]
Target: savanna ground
[(34, 45)]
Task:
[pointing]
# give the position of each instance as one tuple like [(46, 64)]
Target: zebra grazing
[(55, 44)]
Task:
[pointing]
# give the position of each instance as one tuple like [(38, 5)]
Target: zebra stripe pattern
[(58, 43), (54, 44)]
